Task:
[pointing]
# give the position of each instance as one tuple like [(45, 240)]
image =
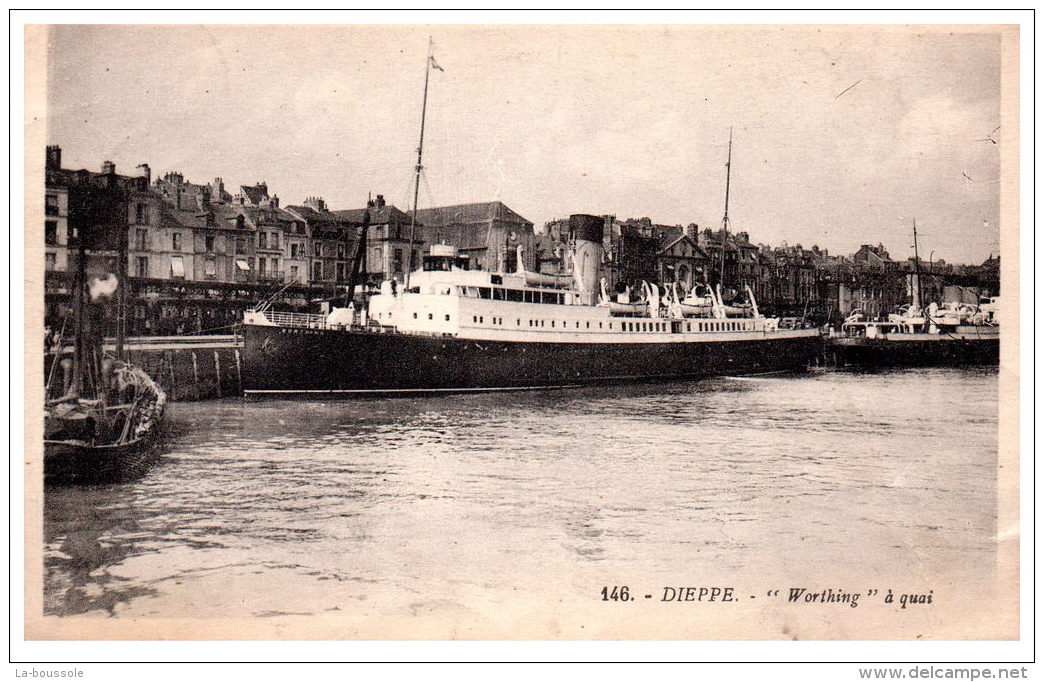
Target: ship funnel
[(586, 232)]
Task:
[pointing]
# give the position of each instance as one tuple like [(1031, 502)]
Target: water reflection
[(276, 508)]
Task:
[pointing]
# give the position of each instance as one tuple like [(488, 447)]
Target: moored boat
[(950, 333), (101, 413), (458, 329), (939, 335)]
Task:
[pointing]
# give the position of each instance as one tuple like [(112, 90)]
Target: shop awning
[(242, 265), (177, 266)]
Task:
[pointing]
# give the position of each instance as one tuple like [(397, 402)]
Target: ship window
[(447, 318), (578, 324), (481, 320), (541, 323), (552, 323), (514, 295), (498, 294), (485, 292), (588, 325), (429, 316), (518, 322)]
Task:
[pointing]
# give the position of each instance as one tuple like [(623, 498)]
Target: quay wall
[(188, 368)]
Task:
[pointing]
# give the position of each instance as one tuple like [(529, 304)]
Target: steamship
[(454, 329)]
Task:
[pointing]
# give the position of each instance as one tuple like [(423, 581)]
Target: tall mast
[(121, 280), (419, 168), (917, 269), (725, 218)]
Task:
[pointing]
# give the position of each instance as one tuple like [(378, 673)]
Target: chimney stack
[(316, 204), (217, 190), (108, 168), (380, 201), (143, 171), (54, 157)]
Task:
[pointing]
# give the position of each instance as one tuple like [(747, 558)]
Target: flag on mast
[(435, 64)]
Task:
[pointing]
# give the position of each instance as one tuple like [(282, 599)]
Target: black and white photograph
[(521, 332)]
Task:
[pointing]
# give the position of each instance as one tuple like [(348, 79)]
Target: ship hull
[(287, 360), (915, 352)]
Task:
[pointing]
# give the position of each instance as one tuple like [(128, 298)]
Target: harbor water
[(392, 508)]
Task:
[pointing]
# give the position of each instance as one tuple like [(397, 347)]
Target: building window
[(141, 240), (175, 241), (240, 245), (318, 249), (177, 267), (397, 261), (293, 273), (262, 266), (340, 250), (262, 240), (50, 262), (208, 241), (317, 272), (143, 267), (295, 250), (51, 232), (51, 204), (275, 240), (141, 214), (210, 267)]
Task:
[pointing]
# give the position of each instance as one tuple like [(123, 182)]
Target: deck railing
[(309, 320)]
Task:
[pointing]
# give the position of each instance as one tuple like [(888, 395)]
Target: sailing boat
[(101, 420)]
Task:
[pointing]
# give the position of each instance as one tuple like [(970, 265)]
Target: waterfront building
[(488, 233), (323, 255), (388, 240)]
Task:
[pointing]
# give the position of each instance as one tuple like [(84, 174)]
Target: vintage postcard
[(522, 332)]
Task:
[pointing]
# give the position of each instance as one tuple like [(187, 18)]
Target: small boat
[(101, 413), (90, 440)]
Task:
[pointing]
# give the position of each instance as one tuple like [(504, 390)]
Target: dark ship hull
[(921, 350), (290, 360)]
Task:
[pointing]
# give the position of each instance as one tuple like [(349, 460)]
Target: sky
[(632, 121)]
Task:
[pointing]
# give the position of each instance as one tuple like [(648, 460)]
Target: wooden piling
[(198, 390), (170, 367), (217, 375), (239, 373)]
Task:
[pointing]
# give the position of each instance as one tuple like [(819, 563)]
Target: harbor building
[(488, 233), (198, 255)]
